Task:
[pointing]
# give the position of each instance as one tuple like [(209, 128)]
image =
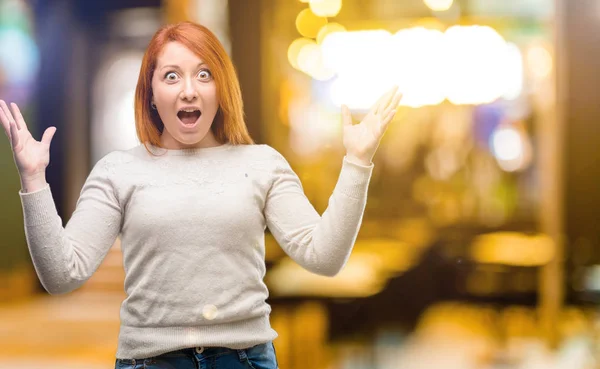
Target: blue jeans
[(257, 357)]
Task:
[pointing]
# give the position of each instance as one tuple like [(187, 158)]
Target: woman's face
[(185, 95)]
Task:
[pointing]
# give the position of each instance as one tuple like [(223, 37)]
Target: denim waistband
[(199, 352), (203, 351)]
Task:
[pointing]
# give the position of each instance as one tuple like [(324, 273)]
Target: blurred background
[(479, 246)]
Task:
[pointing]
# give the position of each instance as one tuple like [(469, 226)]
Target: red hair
[(229, 125)]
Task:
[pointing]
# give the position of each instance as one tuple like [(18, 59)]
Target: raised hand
[(362, 140), (31, 156)]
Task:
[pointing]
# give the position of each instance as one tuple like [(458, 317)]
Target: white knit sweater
[(192, 225)]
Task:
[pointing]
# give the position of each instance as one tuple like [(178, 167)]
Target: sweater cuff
[(38, 207), (354, 179)]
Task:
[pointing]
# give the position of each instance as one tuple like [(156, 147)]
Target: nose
[(189, 91)]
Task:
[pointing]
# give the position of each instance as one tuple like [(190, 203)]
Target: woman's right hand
[(31, 156)]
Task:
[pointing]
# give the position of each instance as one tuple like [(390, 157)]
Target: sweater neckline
[(186, 152)]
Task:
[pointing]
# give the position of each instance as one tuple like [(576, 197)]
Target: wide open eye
[(171, 76), (205, 75)]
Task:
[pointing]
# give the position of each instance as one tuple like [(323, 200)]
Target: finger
[(388, 98), (388, 118), (7, 112), (18, 116), (346, 116), (48, 134), (14, 135), (374, 109), (385, 100), (5, 123), (396, 100), (385, 122), (393, 105)]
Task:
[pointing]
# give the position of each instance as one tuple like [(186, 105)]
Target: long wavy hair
[(229, 125)]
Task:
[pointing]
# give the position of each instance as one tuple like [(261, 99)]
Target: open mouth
[(189, 117)]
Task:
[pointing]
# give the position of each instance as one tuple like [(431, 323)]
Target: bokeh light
[(328, 29), (308, 24), (539, 61), (439, 5), (294, 50), (326, 8), (466, 65), (19, 56)]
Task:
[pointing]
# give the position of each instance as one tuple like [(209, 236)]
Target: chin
[(190, 142), (193, 140)]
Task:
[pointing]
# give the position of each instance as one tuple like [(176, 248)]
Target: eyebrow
[(177, 67)]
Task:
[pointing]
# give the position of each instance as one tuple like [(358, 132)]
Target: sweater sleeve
[(320, 244), (64, 258)]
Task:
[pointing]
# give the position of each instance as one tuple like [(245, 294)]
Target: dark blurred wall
[(579, 99), (245, 19), (71, 35), (55, 25)]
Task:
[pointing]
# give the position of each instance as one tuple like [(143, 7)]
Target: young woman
[(191, 204)]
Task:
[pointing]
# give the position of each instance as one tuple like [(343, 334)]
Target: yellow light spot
[(309, 24), (294, 50), (322, 73), (430, 23), (328, 29), (539, 61), (326, 8), (439, 5), (310, 61), (309, 58)]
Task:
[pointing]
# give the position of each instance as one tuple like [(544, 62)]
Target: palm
[(364, 136), (361, 140), (31, 156)]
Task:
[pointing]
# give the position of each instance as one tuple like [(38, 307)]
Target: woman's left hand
[(362, 140)]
